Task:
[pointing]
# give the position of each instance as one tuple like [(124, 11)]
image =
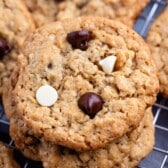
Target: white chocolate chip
[(46, 95), (108, 64), (52, 37)]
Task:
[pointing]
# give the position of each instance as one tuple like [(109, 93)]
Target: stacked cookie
[(82, 95)]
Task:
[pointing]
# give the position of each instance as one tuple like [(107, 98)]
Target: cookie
[(15, 24), (6, 157), (42, 11), (157, 39), (125, 11), (123, 152), (94, 106), (47, 11)]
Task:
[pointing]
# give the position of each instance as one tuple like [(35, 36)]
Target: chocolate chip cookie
[(157, 39), (15, 24), (6, 157), (84, 85), (125, 11)]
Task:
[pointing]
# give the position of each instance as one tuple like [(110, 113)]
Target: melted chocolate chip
[(90, 103), (79, 39), (5, 47)]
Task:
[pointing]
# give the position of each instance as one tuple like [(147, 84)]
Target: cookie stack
[(81, 95)]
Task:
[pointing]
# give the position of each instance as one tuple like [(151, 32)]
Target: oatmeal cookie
[(6, 157), (66, 91), (157, 39), (15, 24), (125, 11)]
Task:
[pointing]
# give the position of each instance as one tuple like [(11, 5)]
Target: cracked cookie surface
[(49, 59), (157, 39)]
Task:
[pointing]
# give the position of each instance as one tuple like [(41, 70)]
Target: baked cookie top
[(6, 157), (66, 90), (157, 39), (125, 11), (15, 24)]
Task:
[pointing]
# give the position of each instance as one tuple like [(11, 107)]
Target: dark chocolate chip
[(50, 66), (90, 103), (5, 47), (79, 39)]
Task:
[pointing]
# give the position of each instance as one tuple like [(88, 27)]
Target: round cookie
[(72, 68), (42, 11), (157, 39), (6, 157), (125, 11), (15, 24), (123, 152)]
